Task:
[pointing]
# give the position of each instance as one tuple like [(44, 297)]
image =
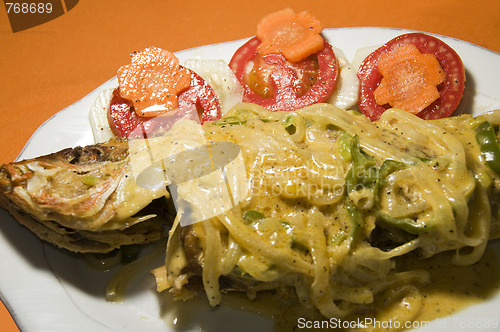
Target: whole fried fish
[(84, 199)]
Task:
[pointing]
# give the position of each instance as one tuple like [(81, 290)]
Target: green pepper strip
[(239, 117), (252, 216), (356, 219), (407, 224), (487, 140), (366, 174), (231, 120), (362, 173), (345, 146)]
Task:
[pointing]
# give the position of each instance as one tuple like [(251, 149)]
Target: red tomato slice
[(123, 120), (201, 95), (450, 91), (279, 85)]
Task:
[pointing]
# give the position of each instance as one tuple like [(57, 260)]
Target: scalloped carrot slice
[(152, 81), (295, 36), (410, 79)]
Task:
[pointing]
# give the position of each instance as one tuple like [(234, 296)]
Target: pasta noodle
[(334, 199)]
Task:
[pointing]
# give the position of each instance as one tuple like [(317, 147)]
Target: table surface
[(46, 68)]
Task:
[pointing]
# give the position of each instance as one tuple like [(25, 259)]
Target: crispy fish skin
[(83, 199)]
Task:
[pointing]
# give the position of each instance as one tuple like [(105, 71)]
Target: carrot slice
[(409, 80), (295, 36), (152, 81)]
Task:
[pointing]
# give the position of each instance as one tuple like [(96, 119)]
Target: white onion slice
[(361, 54), (345, 94)]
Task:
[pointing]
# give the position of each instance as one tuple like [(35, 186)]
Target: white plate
[(50, 290)]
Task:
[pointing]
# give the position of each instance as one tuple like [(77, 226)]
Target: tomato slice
[(279, 85), (450, 91), (201, 95), (123, 120)]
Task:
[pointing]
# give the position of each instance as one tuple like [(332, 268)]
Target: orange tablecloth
[(48, 67)]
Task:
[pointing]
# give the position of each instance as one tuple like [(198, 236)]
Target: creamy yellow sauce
[(450, 289)]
